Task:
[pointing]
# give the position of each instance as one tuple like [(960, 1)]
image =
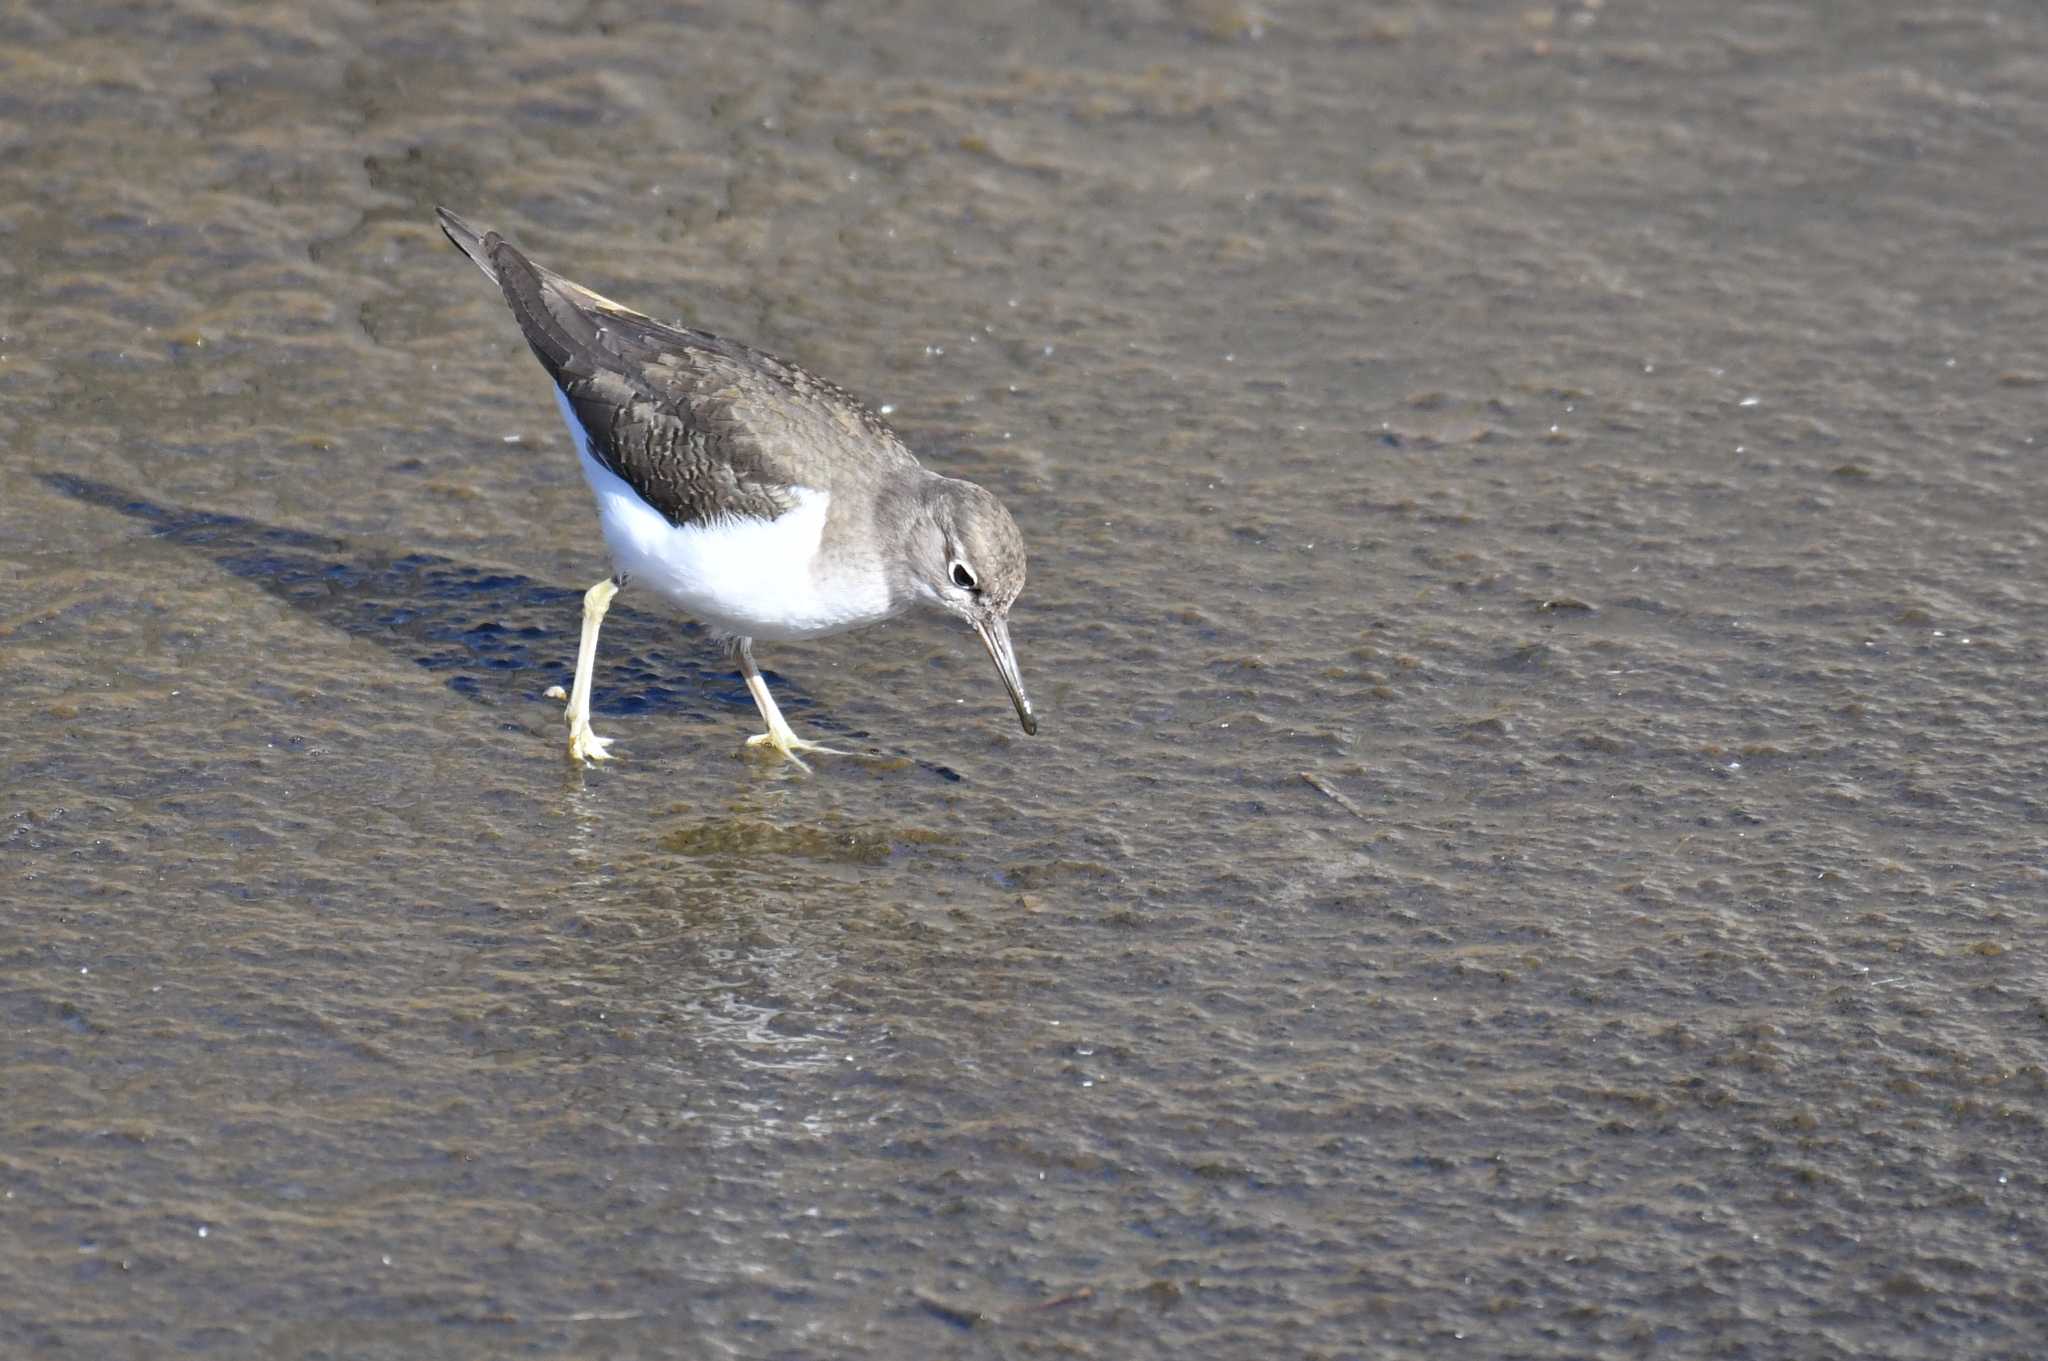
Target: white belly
[(746, 577)]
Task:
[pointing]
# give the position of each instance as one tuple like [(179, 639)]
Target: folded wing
[(702, 428)]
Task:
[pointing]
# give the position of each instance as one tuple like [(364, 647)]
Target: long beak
[(995, 636)]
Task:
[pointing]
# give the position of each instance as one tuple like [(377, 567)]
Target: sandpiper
[(758, 498)]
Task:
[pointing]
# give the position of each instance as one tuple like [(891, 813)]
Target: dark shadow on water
[(497, 637)]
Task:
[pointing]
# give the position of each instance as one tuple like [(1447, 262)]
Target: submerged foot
[(789, 744), (586, 746)]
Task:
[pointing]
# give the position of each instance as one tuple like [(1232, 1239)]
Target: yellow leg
[(779, 735), (585, 745)]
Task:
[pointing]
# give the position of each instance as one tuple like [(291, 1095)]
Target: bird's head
[(969, 561)]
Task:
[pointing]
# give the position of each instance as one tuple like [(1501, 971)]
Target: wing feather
[(701, 427)]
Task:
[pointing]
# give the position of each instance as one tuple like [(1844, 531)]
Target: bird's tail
[(476, 245), (547, 306)]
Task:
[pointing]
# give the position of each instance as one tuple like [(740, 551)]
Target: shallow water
[(1536, 844)]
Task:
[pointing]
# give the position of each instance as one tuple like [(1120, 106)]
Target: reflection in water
[(835, 842)]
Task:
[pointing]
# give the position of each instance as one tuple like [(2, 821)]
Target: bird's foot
[(789, 744), (586, 746)]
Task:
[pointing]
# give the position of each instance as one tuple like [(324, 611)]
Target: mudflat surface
[(1536, 846)]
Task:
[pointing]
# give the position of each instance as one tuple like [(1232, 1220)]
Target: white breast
[(752, 578)]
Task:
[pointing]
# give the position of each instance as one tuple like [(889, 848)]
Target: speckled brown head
[(967, 558)]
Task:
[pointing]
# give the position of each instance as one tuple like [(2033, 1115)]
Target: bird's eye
[(963, 578)]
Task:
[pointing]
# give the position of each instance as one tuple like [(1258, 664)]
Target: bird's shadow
[(497, 637)]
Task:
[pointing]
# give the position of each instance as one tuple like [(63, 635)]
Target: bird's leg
[(779, 735), (585, 745)]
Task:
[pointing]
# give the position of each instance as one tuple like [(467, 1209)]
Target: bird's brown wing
[(700, 427)]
